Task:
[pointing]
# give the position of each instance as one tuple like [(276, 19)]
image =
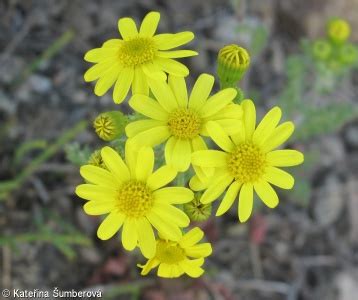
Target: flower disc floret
[(184, 123), (135, 199), (247, 162), (169, 252), (136, 52)]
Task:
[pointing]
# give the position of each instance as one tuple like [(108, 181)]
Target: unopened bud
[(196, 210), (233, 61), (96, 159), (348, 54), (322, 49), (338, 30), (110, 125)]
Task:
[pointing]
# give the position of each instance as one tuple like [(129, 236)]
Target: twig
[(10, 185)]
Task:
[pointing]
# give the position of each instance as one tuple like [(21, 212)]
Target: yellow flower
[(338, 30), (139, 55), (173, 257), (182, 121), (134, 198), (248, 162)]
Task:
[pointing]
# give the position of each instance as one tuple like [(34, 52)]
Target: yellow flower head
[(173, 257), (338, 30), (248, 162), (134, 197), (181, 120), (139, 55)]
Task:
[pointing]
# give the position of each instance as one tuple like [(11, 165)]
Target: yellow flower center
[(104, 127), (169, 252), (134, 199), (247, 162), (137, 51), (184, 123)]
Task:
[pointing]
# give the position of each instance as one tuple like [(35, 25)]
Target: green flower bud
[(348, 54), (110, 125), (233, 61), (196, 210), (96, 160), (321, 49), (338, 30)]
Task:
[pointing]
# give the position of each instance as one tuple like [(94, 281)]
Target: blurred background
[(306, 249)]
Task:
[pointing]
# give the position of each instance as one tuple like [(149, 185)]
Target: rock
[(328, 201), (40, 84), (351, 136)]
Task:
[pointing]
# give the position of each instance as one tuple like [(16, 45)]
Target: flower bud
[(348, 54), (96, 159), (233, 62), (321, 49), (338, 30), (110, 125), (196, 210)]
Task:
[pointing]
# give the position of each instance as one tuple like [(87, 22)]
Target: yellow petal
[(229, 198), (99, 70), (231, 126), (172, 66), (106, 82), (169, 147), (219, 136), (140, 84), (196, 184), (249, 117), (149, 24), (115, 164), (171, 214), (96, 208), (280, 134), (95, 192), (201, 250), (161, 177), (153, 71), (230, 111), (181, 155), (218, 101), (98, 176), (110, 226), (146, 239), (216, 188), (99, 54), (122, 85), (267, 125), (167, 229), (127, 28), (201, 91), (151, 264), (246, 199), (136, 127), (284, 158), (167, 41), (267, 194), (148, 107), (163, 94), (209, 158), (173, 195), (279, 178), (151, 137), (176, 53), (178, 86), (131, 157), (165, 270), (112, 43), (191, 238), (129, 234), (191, 268), (145, 163)]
